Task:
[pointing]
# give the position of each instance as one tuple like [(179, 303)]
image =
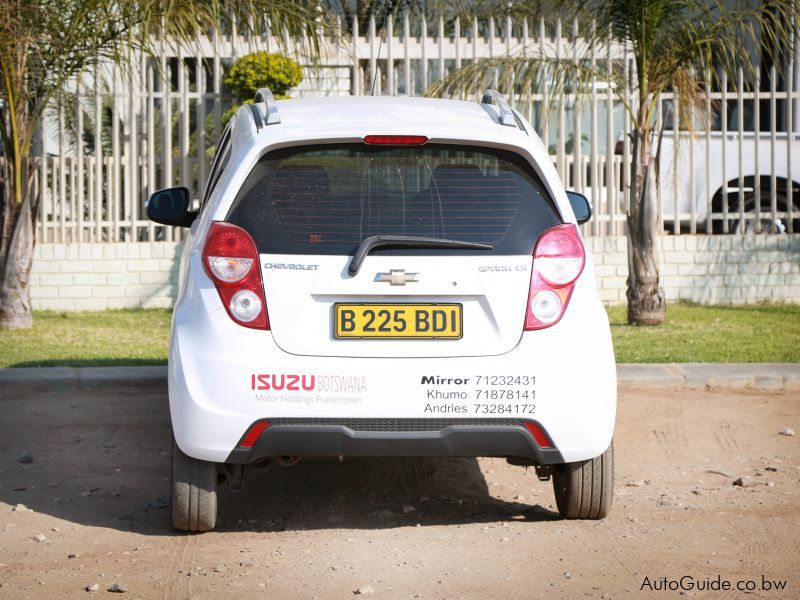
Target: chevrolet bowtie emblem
[(396, 277)]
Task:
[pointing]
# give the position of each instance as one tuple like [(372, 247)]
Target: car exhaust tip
[(287, 460)]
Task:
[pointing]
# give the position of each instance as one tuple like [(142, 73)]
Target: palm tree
[(677, 46), (45, 45)]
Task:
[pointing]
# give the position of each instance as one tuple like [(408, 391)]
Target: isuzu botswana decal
[(295, 383)]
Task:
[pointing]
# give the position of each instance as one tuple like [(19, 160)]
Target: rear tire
[(194, 492), (584, 489)]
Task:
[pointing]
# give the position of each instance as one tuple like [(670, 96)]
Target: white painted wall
[(716, 269), (76, 277)]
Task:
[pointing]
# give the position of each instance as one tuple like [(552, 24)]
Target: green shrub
[(246, 76), (263, 70)]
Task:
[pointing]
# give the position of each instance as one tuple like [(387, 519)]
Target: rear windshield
[(326, 199)]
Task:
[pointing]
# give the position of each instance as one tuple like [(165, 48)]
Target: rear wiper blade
[(411, 241)]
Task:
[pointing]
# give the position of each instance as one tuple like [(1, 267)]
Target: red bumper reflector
[(252, 435), (396, 140), (538, 436)]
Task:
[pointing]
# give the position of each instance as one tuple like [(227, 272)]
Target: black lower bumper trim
[(492, 438)]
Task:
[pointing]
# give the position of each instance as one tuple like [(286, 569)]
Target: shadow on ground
[(90, 362), (101, 458)]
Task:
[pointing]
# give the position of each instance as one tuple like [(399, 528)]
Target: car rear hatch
[(310, 208)]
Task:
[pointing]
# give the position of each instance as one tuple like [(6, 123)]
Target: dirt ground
[(98, 485)]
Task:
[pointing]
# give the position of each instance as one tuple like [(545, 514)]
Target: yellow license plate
[(401, 321)]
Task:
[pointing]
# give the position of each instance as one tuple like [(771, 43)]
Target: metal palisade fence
[(128, 132)]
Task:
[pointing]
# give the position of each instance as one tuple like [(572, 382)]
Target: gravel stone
[(745, 481), (118, 588), (364, 589), (408, 509), (40, 537), (92, 587), (785, 431), (27, 458), (20, 508)]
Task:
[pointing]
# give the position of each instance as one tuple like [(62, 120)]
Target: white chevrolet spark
[(386, 277)]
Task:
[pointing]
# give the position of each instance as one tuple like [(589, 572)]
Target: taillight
[(230, 258), (558, 261)]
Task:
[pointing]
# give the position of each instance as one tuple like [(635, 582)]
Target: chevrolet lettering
[(297, 267)]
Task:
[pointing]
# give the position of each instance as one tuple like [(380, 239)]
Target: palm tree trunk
[(646, 302), (16, 254)]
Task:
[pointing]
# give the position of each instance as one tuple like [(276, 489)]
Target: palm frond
[(674, 45), (44, 44), (529, 74)]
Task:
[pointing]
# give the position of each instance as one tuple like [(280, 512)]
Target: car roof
[(383, 109), (356, 115)]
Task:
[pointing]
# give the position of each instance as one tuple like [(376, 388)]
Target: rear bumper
[(223, 378), (509, 439)]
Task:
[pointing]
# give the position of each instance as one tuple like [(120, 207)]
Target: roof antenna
[(380, 43)]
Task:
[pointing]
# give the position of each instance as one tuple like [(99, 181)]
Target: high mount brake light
[(396, 140), (230, 258), (558, 261)]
